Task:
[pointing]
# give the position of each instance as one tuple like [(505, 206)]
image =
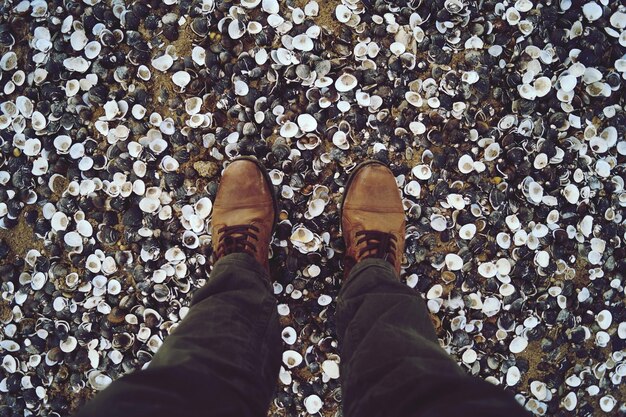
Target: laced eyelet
[(235, 239)]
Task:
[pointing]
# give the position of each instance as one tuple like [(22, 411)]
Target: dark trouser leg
[(222, 360), (391, 362)]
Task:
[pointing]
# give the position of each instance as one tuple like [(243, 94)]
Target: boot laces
[(377, 245), (235, 239)]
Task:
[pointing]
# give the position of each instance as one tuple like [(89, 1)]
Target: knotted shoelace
[(235, 239), (377, 245)]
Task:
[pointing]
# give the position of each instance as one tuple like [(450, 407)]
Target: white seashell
[(542, 86), (467, 231), (487, 269), (518, 344), (241, 88), (32, 147), (340, 140), (466, 164), (436, 291), (84, 228), (330, 368), (92, 49), (456, 201), (592, 11), (163, 63), (289, 335), (527, 91), (78, 64), (313, 404), (144, 73), (8, 61), (203, 207), (512, 16), (78, 40), (149, 205), (270, 6), (181, 78), (469, 356), (302, 42), (438, 222), (470, 77), (413, 188), (236, 29), (289, 129), (454, 262), (422, 172), (607, 403), (315, 207), (539, 390), (513, 376), (38, 281), (603, 168), (571, 193), (324, 300), (415, 99), (523, 5), (345, 82), (343, 13), (98, 380), (291, 358), (73, 239), (604, 319), (307, 123), (69, 344), (311, 9), (38, 121)]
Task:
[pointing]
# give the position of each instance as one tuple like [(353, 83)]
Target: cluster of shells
[(503, 122)]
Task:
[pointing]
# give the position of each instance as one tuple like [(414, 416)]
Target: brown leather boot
[(372, 217), (244, 211)]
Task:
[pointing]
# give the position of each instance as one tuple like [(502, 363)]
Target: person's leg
[(222, 360), (224, 357), (391, 361)]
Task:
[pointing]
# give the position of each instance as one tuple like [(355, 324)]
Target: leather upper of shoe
[(373, 220), (243, 213)]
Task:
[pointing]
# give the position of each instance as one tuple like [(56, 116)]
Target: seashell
[(607, 403), (414, 98), (604, 319), (513, 376), (181, 79), (340, 140), (291, 358), (78, 64), (331, 369), (163, 63), (345, 82), (98, 381), (422, 172), (438, 222), (453, 262), (289, 129), (467, 231), (469, 356), (413, 188), (302, 42), (78, 40), (289, 335), (315, 208), (518, 344), (144, 73), (539, 390), (592, 11), (313, 404), (69, 344), (270, 6), (466, 164), (8, 61), (307, 123), (236, 29), (343, 13)]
